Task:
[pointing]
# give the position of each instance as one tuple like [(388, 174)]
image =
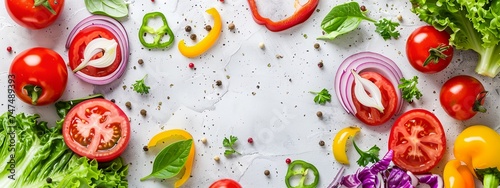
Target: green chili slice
[(157, 33), (302, 170)]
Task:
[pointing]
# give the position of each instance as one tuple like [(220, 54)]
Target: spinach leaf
[(111, 8), (170, 161)]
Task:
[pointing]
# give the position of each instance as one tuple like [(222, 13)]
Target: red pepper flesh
[(302, 13)]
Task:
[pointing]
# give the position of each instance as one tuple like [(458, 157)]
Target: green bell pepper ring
[(158, 33), (301, 171)]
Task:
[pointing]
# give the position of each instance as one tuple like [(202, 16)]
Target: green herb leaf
[(229, 144), (170, 161), (366, 157), (387, 29), (409, 89), (140, 86), (322, 97), (111, 8), (63, 107), (342, 19)]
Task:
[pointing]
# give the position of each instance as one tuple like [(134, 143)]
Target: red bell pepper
[(302, 13)]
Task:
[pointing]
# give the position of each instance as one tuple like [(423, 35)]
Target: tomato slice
[(97, 129), (418, 141), (80, 42), (372, 116), (225, 183)]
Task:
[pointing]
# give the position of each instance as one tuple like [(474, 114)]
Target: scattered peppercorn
[(216, 158), (320, 64), (363, 8), (319, 114), (49, 180), (187, 28), (288, 161), (203, 140), (192, 36), (208, 27), (261, 45), (399, 17), (231, 26), (218, 83), (113, 100), (321, 143), (140, 61), (316, 45), (145, 148), (267, 173), (9, 49), (128, 104), (250, 140), (191, 65), (143, 112)]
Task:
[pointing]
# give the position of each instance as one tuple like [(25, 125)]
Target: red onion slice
[(364, 61), (117, 29)]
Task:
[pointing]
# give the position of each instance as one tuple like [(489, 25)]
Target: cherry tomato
[(97, 129), (31, 16), (225, 183), (423, 42), (418, 141), (372, 116), (80, 42), (462, 97), (40, 76)]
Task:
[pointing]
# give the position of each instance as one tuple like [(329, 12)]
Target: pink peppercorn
[(250, 140), (288, 161), (9, 49), (191, 65)]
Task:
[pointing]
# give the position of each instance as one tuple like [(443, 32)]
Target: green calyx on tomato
[(429, 50), (462, 97), (157, 33), (97, 129), (418, 141), (435, 54), (46, 4), (40, 76), (301, 168)]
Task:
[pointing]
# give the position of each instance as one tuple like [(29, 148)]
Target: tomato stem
[(435, 54), (46, 4), (34, 93), (478, 107)]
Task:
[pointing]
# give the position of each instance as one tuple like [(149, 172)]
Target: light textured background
[(280, 116)]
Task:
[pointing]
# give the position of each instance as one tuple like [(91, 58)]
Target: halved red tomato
[(80, 42), (97, 129), (418, 140), (372, 116)]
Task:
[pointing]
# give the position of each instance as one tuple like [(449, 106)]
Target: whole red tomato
[(40, 76), (97, 129), (428, 50), (462, 97), (225, 183), (372, 116), (418, 141), (34, 16)]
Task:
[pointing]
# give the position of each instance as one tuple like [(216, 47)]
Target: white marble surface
[(280, 116)]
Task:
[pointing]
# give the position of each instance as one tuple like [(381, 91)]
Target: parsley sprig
[(322, 97), (229, 144), (140, 86), (370, 156), (409, 89), (387, 29)]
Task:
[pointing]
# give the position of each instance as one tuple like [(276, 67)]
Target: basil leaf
[(342, 19), (112, 8), (170, 161)]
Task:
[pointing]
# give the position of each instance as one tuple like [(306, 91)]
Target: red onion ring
[(365, 61), (118, 30)]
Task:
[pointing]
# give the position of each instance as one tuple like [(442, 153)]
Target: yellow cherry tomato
[(340, 141), (171, 136)]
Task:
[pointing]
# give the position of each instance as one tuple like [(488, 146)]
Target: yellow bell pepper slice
[(340, 141), (456, 175), (207, 42), (171, 136)]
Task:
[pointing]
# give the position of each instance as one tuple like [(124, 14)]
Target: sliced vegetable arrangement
[(40, 158)]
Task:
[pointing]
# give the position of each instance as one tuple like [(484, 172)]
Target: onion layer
[(364, 61), (117, 29)]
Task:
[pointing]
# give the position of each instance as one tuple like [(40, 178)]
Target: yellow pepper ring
[(171, 136), (340, 141), (207, 42)]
